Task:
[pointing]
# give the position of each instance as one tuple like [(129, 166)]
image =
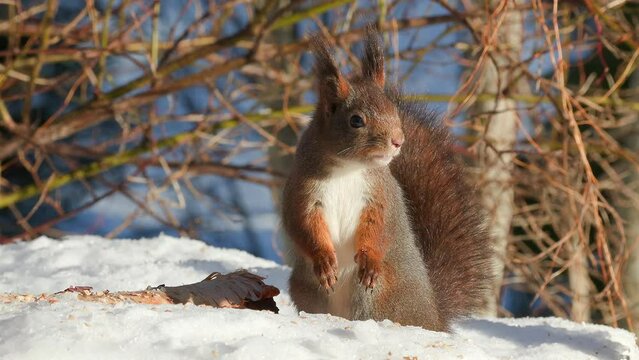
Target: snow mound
[(72, 329)]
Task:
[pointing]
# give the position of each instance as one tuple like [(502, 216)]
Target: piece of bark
[(240, 289)]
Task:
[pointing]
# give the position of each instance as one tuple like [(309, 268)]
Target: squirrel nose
[(397, 141)]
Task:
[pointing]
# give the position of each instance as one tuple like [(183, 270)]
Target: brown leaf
[(240, 289)]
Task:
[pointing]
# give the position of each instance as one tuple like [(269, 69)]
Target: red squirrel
[(382, 220)]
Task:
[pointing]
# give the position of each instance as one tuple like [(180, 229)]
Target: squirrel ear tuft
[(333, 86), (373, 61)]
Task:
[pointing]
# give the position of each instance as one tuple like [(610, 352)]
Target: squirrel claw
[(369, 269), (326, 272)]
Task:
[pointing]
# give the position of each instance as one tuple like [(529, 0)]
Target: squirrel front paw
[(369, 268), (325, 267)]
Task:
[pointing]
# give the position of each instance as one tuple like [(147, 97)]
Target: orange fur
[(370, 245), (318, 239), (314, 241), (343, 89)]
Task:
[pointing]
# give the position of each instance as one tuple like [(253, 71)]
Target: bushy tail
[(445, 215)]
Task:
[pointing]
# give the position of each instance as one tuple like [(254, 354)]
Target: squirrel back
[(383, 223), (445, 213)]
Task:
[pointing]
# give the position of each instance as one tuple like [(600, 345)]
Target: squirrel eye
[(357, 121)]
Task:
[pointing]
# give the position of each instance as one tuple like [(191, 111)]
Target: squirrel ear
[(373, 61), (333, 86)]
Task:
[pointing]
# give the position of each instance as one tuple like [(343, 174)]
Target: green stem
[(126, 157)]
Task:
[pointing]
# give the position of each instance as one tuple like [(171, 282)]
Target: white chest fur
[(343, 197)]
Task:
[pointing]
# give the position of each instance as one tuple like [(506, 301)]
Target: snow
[(72, 329)]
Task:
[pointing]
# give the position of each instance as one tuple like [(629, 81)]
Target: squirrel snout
[(397, 141)]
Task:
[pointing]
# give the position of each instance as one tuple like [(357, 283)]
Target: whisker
[(344, 151)]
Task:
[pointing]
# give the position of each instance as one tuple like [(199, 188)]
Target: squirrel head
[(357, 120)]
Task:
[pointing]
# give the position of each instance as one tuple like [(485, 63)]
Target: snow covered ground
[(71, 329)]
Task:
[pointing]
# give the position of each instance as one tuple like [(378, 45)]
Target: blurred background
[(131, 118)]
